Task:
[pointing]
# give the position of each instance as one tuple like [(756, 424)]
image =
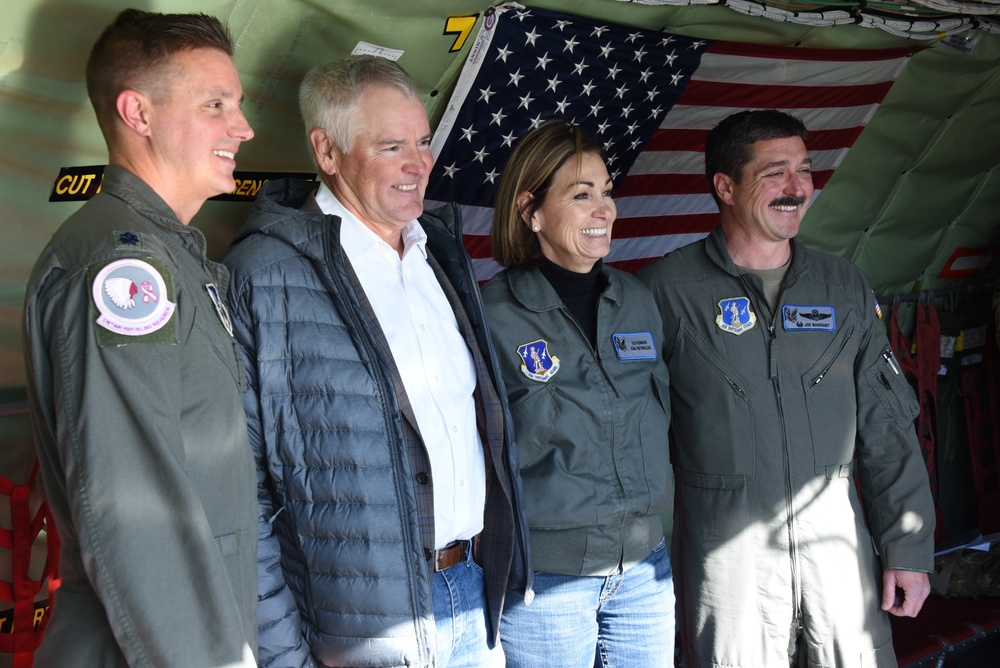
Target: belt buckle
[(448, 556)]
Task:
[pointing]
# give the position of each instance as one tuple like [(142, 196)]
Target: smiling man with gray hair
[(390, 504)]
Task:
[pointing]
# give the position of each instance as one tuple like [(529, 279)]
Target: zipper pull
[(887, 356), (885, 381)]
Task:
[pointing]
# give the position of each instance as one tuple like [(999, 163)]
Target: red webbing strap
[(52, 544), (922, 363), (992, 359), (24, 638), (981, 395)]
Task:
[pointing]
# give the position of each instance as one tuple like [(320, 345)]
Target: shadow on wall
[(43, 108)]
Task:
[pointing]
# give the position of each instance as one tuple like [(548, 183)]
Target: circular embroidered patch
[(131, 296)]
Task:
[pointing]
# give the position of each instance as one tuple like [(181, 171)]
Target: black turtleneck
[(579, 292)]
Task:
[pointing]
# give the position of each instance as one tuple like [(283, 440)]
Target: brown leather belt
[(450, 555)]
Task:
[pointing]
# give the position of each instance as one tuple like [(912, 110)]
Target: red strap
[(901, 345), (21, 591), (921, 363), (981, 395)]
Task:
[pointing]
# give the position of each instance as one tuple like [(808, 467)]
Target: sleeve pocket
[(892, 389)]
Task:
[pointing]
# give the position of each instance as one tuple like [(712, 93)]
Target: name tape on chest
[(808, 318), (635, 346)]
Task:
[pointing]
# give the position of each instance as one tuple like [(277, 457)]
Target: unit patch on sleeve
[(637, 346), (735, 315), (536, 362), (808, 318), (133, 301)]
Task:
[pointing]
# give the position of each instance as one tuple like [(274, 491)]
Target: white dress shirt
[(434, 363)]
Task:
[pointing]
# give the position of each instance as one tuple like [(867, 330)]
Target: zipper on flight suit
[(771, 343), (608, 382), (593, 350), (843, 344)]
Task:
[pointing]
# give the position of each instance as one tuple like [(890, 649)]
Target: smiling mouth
[(225, 154), (787, 204), (406, 187), (595, 232)]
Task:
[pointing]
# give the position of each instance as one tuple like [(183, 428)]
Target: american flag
[(651, 98)]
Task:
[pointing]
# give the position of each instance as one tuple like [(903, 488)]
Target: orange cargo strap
[(21, 591)]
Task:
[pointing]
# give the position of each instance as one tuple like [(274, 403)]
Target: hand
[(903, 592)]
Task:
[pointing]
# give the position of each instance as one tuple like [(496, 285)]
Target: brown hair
[(531, 169), (729, 146), (133, 52)]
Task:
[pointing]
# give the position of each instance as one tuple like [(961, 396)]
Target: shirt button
[(461, 483), (423, 478), (454, 428)]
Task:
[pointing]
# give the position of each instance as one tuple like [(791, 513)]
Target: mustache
[(788, 201)]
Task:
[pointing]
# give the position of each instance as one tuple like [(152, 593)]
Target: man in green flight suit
[(134, 381), (783, 387)]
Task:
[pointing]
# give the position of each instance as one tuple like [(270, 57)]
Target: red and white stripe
[(664, 201)]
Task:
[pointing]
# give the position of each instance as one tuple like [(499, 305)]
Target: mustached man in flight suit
[(783, 389)]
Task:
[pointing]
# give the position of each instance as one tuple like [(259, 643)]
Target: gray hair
[(330, 94)]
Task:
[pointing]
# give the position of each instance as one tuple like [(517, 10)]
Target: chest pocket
[(207, 331), (712, 409), (558, 469), (831, 399)]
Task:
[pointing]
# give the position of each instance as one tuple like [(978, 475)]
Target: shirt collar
[(356, 237)]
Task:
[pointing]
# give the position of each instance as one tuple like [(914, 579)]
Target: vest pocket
[(831, 400), (556, 470), (539, 411), (204, 334), (717, 435)]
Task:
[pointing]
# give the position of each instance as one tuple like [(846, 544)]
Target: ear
[(522, 202), (325, 151), (133, 109), (724, 187)]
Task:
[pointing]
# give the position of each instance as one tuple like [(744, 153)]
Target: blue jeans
[(624, 620), (460, 617)]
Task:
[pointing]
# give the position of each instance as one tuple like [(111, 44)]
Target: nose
[(799, 183), (241, 127), (605, 209), (418, 161)]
